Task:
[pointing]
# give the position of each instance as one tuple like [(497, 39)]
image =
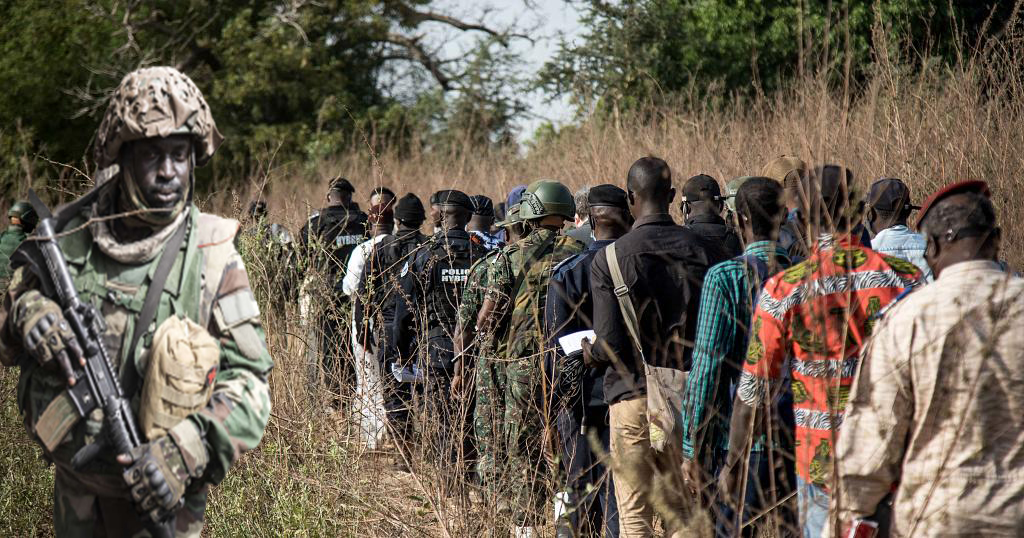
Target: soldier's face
[(161, 169)]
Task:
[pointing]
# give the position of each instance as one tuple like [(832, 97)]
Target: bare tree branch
[(417, 52)]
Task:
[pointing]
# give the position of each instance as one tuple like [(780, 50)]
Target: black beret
[(607, 196), (410, 209), (452, 197), (482, 205), (340, 184)]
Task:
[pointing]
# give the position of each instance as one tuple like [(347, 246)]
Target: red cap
[(962, 187)]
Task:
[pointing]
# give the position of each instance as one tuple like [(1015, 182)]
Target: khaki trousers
[(646, 482)]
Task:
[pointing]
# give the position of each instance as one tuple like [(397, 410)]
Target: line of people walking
[(632, 369)]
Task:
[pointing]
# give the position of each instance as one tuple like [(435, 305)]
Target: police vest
[(449, 261), (390, 256)]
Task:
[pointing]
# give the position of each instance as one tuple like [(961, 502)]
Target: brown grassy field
[(928, 125)]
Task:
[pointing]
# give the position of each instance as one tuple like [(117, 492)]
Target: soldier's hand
[(457, 386), (157, 476), (45, 333)]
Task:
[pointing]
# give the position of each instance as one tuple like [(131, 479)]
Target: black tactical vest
[(448, 261), (389, 257)]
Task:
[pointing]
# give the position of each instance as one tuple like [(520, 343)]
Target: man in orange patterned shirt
[(808, 329)]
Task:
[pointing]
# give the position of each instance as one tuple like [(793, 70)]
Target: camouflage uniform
[(208, 284), (9, 241), (489, 385), (518, 286)]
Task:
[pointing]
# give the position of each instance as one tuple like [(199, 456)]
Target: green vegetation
[(636, 52)]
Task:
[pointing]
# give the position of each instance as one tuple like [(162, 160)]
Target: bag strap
[(130, 375), (625, 303)]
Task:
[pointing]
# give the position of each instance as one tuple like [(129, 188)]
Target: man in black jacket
[(426, 312), (702, 206), (327, 241), (663, 267)]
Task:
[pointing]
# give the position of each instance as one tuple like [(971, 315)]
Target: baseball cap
[(731, 188), (890, 194), (702, 188)]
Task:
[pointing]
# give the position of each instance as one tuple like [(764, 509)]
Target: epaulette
[(568, 263)]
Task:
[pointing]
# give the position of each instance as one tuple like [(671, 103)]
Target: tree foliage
[(295, 78), (636, 52)]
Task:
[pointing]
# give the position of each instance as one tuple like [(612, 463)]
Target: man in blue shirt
[(578, 389), (885, 217)]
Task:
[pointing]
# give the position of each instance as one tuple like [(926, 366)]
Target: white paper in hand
[(572, 343)]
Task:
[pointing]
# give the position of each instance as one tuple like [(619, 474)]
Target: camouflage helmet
[(156, 102), (731, 188), (546, 197)]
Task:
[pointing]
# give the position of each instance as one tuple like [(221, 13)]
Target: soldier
[(23, 221), (205, 323), (376, 303), (327, 241), (477, 354), (518, 282), (272, 243), (432, 285)]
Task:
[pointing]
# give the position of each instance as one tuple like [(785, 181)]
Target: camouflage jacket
[(209, 285), (9, 241), (518, 286), (473, 294)]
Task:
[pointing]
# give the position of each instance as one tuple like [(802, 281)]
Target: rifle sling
[(130, 376)]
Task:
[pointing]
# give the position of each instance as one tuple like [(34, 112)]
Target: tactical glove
[(45, 333), (159, 472)]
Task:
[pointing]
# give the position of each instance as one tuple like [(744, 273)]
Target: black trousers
[(588, 511)]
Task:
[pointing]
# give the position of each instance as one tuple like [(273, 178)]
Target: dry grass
[(309, 477)]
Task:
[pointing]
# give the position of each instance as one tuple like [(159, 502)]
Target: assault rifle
[(96, 383)]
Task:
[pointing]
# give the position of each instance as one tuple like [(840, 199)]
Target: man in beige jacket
[(937, 409)]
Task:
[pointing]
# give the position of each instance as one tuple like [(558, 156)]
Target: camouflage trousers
[(524, 432), (78, 511), (489, 416)]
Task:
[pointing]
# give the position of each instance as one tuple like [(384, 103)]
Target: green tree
[(295, 78), (637, 52)]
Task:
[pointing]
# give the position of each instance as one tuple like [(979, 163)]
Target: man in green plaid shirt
[(728, 293)]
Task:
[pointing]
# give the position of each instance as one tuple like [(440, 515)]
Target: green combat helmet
[(731, 188), (546, 197), (23, 211)]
